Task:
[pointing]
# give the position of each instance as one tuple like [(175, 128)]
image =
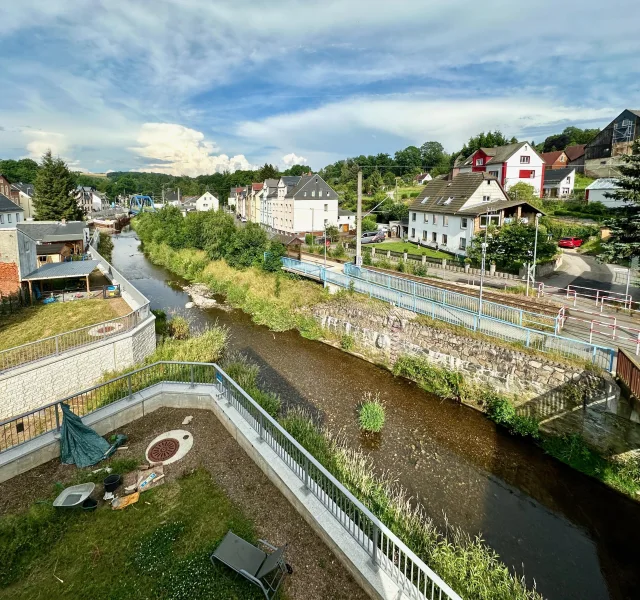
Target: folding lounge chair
[(267, 571)]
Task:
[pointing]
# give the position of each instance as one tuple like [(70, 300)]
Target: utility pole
[(359, 222)]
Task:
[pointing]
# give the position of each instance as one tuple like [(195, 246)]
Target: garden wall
[(38, 383)]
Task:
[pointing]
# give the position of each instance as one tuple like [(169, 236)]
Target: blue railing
[(504, 330)]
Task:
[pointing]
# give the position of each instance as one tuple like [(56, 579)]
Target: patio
[(245, 498)]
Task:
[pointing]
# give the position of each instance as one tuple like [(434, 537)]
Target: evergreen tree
[(268, 172), (54, 186), (624, 242)]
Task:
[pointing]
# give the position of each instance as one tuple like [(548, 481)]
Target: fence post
[(376, 538), (305, 470), (57, 346), (192, 384), (129, 385), (528, 342), (261, 425), (57, 417)]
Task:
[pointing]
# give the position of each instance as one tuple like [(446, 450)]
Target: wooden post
[(87, 285), (30, 292)]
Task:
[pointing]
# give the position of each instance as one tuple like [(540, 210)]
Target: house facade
[(255, 200), (555, 160), (346, 220), (422, 178), (89, 200), (447, 214), (575, 156), (510, 164), (207, 202), (603, 155), (10, 213), (25, 192), (559, 183)]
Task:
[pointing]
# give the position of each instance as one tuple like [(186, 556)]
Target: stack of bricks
[(9, 278)]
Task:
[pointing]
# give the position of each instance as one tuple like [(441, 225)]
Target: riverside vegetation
[(282, 301)]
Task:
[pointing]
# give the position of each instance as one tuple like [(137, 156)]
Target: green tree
[(219, 234), (267, 172), (374, 182), (523, 192), (624, 242), (369, 223), (434, 159), (297, 170), (408, 160), (333, 232), (54, 187), (570, 136), (483, 140), (247, 246), (23, 170)]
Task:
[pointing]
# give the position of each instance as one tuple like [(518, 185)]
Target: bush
[(161, 322), (339, 252), (347, 342), (105, 246), (502, 410), (371, 414), (401, 266), (366, 260), (178, 328), (436, 380), (420, 270)]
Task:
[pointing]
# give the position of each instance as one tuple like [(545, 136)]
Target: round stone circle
[(163, 450)]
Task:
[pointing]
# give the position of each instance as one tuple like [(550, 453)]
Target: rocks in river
[(189, 305), (201, 295)]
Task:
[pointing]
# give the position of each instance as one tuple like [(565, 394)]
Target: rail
[(628, 372), (70, 340), (542, 341), (503, 312), (385, 549)]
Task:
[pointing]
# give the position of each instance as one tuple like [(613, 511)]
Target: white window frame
[(413, 232), (434, 237), (445, 220), (425, 236), (525, 160), (445, 239), (464, 223), (8, 217), (479, 162), (486, 198), (413, 217), (463, 244), (493, 219), (435, 219)]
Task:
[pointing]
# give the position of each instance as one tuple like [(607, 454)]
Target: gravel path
[(317, 573)]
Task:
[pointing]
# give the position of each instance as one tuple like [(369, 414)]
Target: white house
[(559, 183), (26, 192), (447, 214), (207, 202), (600, 188), (89, 200), (509, 164), (422, 178), (10, 213), (346, 220)]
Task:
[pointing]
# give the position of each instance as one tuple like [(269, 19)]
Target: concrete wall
[(35, 384)]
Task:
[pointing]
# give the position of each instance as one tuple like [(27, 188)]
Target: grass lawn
[(157, 548), (592, 247), (410, 248), (44, 320), (409, 192)]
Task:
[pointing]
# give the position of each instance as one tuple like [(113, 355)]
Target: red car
[(569, 242)]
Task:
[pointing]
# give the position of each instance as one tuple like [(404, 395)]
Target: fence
[(384, 548), (498, 311), (70, 340), (628, 371), (510, 332), (11, 303)]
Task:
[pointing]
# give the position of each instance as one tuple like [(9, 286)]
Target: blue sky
[(195, 86)]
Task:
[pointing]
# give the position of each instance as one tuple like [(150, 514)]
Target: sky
[(191, 87)]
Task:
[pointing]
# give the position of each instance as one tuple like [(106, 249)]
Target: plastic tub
[(112, 482), (89, 504)]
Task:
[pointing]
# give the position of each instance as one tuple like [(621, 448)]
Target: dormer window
[(479, 162), (313, 193), (525, 160)]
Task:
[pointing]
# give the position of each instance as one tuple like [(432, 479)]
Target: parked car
[(569, 242), (243, 220), (323, 240), (372, 237)]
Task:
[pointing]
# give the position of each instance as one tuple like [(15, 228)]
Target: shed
[(63, 270)]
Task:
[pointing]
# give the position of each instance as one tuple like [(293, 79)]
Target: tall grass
[(466, 563)]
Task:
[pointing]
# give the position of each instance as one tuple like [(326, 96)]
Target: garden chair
[(267, 571)]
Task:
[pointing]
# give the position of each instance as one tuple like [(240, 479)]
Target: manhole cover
[(163, 450)]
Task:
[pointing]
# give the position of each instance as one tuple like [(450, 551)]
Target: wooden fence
[(628, 372)]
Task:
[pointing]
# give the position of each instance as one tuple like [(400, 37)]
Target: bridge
[(140, 203)]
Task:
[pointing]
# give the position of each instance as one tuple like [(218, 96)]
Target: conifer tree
[(54, 199)]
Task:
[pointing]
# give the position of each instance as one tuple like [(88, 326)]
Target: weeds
[(178, 328), (371, 415), (440, 381), (347, 342)]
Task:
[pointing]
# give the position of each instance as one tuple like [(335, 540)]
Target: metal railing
[(496, 310), (70, 340), (510, 332), (384, 548)]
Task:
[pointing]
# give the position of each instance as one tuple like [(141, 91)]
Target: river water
[(574, 537)]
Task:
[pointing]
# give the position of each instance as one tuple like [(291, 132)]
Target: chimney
[(63, 221)]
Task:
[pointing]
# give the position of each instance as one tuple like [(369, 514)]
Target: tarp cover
[(79, 444)]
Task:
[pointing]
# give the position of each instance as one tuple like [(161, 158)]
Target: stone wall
[(36, 384)]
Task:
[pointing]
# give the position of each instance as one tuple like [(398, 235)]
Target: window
[(425, 235), (493, 220), (565, 191), (313, 193), (525, 160), (17, 217), (463, 244), (562, 158), (413, 233), (435, 219), (8, 217), (494, 174), (434, 237), (463, 223), (305, 194), (1, 219), (326, 208), (319, 193), (444, 239), (526, 174), (445, 220), (413, 216), (426, 217), (568, 180), (326, 222), (486, 198), (479, 162)]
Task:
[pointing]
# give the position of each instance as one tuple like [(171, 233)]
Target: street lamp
[(484, 258), (535, 252)]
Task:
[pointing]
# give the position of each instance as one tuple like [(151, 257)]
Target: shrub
[(502, 410), (308, 239), (105, 246), (366, 260), (384, 263), (420, 270), (436, 380), (371, 414), (178, 328), (161, 322), (339, 252), (347, 342), (401, 266)]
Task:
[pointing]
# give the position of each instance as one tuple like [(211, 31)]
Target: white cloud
[(292, 159), (179, 150), (41, 141)]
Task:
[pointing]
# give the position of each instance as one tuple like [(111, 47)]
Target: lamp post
[(535, 251), (484, 258)]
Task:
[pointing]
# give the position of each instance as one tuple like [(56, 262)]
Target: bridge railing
[(384, 548)]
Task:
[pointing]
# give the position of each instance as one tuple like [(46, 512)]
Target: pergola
[(64, 270)]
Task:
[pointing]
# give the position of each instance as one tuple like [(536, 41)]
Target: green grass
[(44, 320), (410, 249), (592, 246), (157, 548), (371, 415)]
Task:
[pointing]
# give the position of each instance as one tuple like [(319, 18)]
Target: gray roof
[(54, 231), (46, 249), (7, 205), (271, 182), (76, 268), (345, 213), (438, 191), (25, 188), (555, 176), (481, 209), (291, 180), (499, 154), (605, 183)]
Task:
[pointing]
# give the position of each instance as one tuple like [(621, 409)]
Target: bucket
[(112, 482), (89, 504)]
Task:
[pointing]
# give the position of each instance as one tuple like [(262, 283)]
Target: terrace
[(155, 398)]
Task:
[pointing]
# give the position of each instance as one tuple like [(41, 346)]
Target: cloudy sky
[(195, 86)]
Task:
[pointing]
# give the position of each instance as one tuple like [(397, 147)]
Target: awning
[(63, 270)]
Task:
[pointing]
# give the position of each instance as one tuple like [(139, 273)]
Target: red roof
[(239, 190), (257, 186), (551, 157), (574, 152)]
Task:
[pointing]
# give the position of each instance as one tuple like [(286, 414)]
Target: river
[(574, 537)]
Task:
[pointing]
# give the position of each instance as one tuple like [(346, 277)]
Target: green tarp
[(79, 444)]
